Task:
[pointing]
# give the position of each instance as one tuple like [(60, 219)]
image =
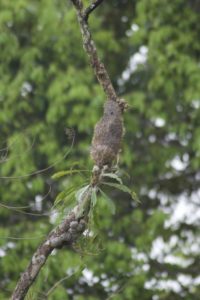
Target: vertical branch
[(90, 48)]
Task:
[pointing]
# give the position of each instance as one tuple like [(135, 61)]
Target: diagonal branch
[(91, 8), (90, 48), (63, 235), (75, 222)]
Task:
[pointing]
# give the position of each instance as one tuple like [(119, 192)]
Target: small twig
[(59, 282), (91, 8)]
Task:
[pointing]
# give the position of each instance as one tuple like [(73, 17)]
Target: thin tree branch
[(75, 222), (91, 8), (59, 282), (90, 48), (63, 235)]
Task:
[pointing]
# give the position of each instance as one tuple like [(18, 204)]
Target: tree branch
[(91, 50), (91, 8), (63, 235), (75, 222)]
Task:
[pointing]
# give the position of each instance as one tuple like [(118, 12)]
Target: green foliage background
[(46, 86)]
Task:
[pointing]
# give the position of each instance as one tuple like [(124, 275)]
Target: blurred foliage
[(48, 89)]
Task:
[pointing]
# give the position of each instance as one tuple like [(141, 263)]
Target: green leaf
[(63, 173), (135, 197), (123, 188), (60, 197), (64, 196), (113, 176), (94, 197), (109, 201), (80, 193), (121, 173)]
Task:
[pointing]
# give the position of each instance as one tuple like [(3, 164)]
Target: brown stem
[(74, 223), (90, 48), (91, 8), (63, 235)]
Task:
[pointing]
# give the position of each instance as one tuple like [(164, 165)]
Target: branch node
[(90, 9)]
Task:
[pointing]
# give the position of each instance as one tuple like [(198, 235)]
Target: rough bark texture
[(63, 235), (107, 140), (91, 50)]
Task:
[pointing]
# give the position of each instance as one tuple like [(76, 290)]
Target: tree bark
[(75, 222), (90, 48)]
